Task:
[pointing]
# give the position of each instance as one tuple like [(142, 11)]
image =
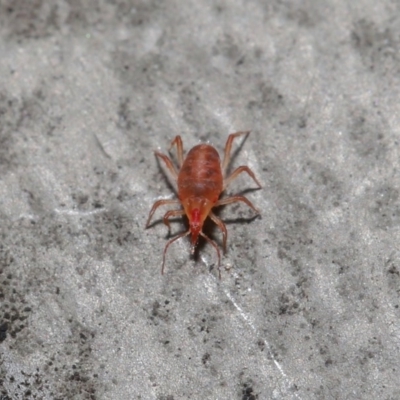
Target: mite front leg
[(221, 226), (168, 244), (234, 199), (157, 204), (172, 213), (217, 250)]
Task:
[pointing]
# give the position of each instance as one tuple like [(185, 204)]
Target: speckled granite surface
[(308, 304)]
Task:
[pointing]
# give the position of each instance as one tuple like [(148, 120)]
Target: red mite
[(200, 183)]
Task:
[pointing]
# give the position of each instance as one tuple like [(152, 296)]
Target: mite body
[(200, 182)]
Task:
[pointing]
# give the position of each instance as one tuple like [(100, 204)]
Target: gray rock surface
[(308, 304)]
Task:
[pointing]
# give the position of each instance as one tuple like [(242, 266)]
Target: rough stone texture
[(308, 304)]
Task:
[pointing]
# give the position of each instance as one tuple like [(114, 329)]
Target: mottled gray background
[(308, 304)]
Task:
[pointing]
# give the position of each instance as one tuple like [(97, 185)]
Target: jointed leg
[(221, 226), (168, 163), (217, 249), (172, 213), (234, 199), (168, 244), (239, 170), (228, 147), (179, 147), (157, 204)]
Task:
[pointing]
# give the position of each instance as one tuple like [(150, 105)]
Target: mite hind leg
[(179, 148), (228, 147), (168, 164), (221, 226), (238, 171), (157, 204), (235, 199)]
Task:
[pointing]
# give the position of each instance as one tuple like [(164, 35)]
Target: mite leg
[(217, 249), (157, 204), (172, 213), (228, 147), (221, 226), (168, 164), (179, 147), (238, 171), (168, 244), (234, 199)]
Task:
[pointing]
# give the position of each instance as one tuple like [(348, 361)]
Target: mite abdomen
[(201, 174)]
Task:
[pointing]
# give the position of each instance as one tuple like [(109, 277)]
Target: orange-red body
[(200, 182)]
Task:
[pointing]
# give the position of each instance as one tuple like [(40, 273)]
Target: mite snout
[(195, 229)]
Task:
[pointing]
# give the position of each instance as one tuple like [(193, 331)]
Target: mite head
[(196, 210)]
